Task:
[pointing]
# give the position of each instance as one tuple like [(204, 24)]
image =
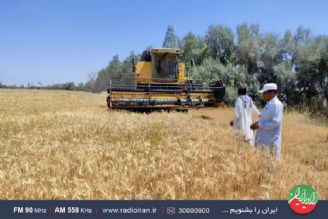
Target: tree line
[(296, 60), (60, 86)]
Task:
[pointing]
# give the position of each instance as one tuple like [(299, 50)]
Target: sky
[(58, 41)]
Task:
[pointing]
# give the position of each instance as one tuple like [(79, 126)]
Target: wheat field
[(67, 145)]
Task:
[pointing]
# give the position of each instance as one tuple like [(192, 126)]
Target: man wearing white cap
[(270, 125)]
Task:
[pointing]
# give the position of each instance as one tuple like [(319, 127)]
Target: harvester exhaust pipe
[(133, 65)]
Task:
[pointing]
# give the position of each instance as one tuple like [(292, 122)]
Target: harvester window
[(145, 57), (165, 67)]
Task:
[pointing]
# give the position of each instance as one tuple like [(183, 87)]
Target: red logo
[(302, 199)]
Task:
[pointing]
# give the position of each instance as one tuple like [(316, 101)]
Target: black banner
[(154, 209)]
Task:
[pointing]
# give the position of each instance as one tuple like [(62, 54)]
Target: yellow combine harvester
[(162, 82)]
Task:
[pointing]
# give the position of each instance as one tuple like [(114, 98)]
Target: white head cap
[(269, 86)]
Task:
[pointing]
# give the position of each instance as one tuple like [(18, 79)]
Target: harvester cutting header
[(161, 81)]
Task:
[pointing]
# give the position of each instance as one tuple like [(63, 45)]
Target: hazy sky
[(56, 41)]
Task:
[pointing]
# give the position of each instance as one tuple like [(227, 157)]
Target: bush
[(232, 76)]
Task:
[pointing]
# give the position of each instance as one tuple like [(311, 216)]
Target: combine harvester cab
[(161, 82)]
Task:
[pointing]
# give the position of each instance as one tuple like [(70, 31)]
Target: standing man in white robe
[(242, 119), (269, 126)]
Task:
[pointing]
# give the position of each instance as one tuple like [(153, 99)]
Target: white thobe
[(270, 125), (244, 108)]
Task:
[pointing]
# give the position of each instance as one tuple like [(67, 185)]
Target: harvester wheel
[(109, 102)]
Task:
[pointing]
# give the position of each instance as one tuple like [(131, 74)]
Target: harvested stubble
[(67, 145)]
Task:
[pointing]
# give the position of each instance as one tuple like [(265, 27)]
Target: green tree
[(248, 50), (69, 86), (127, 68), (170, 39), (271, 55), (219, 40), (90, 85), (290, 44), (102, 81), (188, 45), (312, 74), (287, 84), (112, 72), (201, 51)]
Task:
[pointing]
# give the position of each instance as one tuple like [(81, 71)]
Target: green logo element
[(302, 199)]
